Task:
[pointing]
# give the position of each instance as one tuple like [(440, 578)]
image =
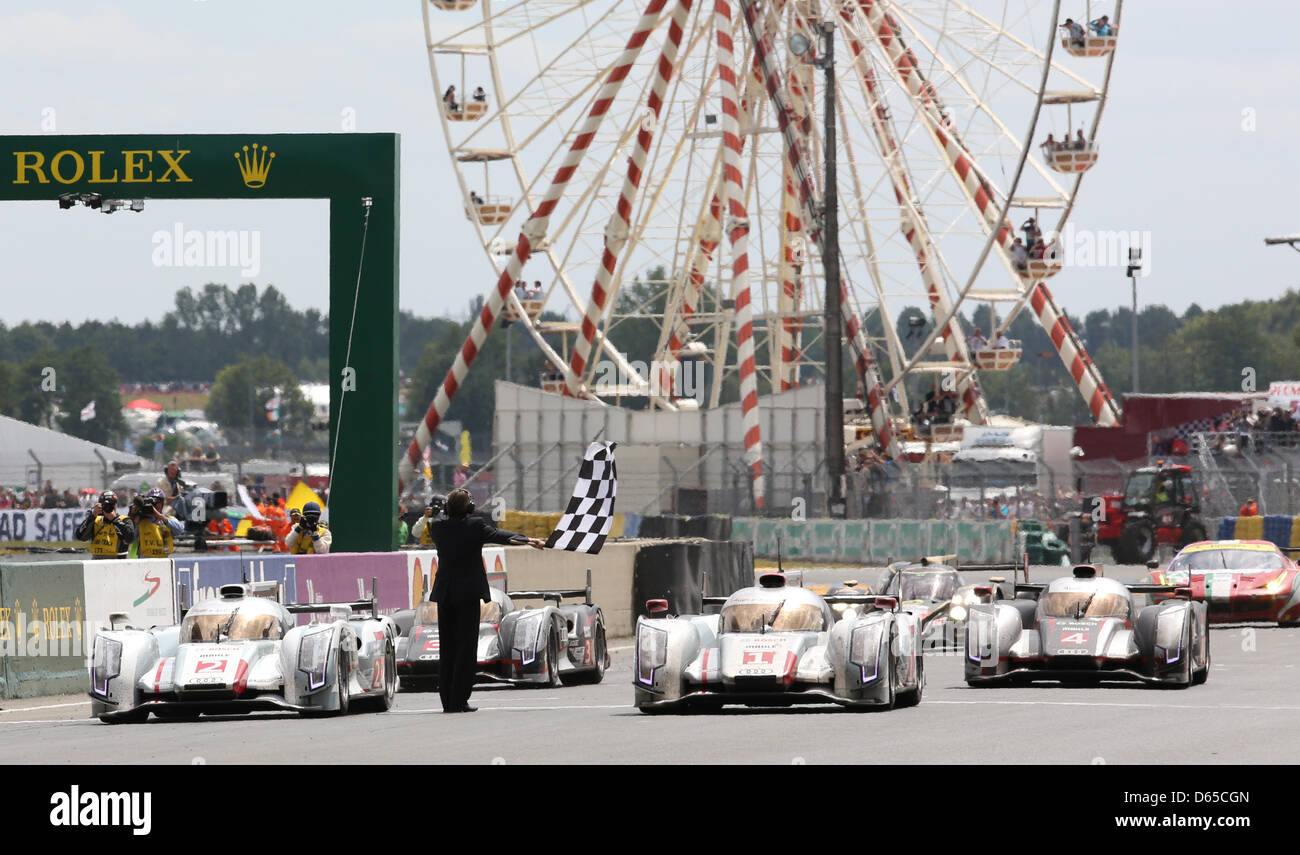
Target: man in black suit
[(458, 588)]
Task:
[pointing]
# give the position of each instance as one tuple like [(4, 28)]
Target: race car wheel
[(384, 702), (552, 663), (1137, 544), (345, 697), (600, 654), (1199, 677), (911, 699)]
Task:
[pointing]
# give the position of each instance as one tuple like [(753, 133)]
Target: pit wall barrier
[(877, 541), (1275, 528), (684, 571)]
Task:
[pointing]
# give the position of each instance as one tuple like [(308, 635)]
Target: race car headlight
[(313, 657), (1169, 634), (957, 611), (525, 644), (864, 646), (107, 663), (651, 652), (1275, 585)]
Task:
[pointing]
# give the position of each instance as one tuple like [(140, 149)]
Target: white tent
[(65, 460)]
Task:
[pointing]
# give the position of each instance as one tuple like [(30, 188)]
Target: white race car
[(243, 651), (773, 645)]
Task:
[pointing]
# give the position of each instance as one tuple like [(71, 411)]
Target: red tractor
[(1160, 505)]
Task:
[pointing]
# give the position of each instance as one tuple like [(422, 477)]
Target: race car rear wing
[(1017, 568), (368, 605), (556, 596), (1171, 590)]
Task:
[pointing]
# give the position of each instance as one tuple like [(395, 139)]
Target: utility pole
[(1134, 268), (831, 264), (824, 58)]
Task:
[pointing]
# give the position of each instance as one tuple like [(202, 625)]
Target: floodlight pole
[(1134, 268), (830, 228)]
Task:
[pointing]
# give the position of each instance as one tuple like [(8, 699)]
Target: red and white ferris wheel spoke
[(533, 231), (918, 235), (962, 163), (619, 226), (738, 233), (1076, 359), (867, 371), (707, 235)]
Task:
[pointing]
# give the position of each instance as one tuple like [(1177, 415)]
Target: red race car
[(1238, 580)]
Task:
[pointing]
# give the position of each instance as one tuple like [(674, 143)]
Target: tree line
[(247, 341)]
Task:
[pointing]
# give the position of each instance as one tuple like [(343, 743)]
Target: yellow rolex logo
[(255, 165)]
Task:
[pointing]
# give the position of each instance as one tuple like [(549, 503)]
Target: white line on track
[(1290, 707), (499, 709), (47, 707)]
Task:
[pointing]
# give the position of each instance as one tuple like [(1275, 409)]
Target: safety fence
[(877, 541)]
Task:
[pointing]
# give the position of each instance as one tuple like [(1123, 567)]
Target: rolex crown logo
[(254, 165)]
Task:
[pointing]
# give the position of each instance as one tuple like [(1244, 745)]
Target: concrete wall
[(611, 577)]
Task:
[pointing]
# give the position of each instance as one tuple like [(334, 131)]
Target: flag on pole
[(587, 520), (88, 412)]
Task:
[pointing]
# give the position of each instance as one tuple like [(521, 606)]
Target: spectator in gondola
[(977, 340), (475, 198), (1101, 26), (1080, 144), (1003, 342), (449, 98), (1050, 144), (1032, 233), (479, 95), (1075, 30), (1019, 255)]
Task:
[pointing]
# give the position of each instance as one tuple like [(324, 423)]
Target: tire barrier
[(876, 541), (684, 571), (1277, 529)]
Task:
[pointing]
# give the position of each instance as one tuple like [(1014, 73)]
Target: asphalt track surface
[(1245, 713)]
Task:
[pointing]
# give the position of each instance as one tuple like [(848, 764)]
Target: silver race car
[(543, 646), (243, 651), (938, 596), (773, 645), (1087, 628)]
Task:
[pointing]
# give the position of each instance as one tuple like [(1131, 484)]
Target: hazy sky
[(1176, 160)]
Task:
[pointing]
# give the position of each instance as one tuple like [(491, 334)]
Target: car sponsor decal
[(212, 665), (765, 657)]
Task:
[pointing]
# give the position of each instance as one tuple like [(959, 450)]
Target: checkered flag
[(590, 513)]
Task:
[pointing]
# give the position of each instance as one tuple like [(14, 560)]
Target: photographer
[(156, 531), (420, 531), (309, 534), (109, 533)]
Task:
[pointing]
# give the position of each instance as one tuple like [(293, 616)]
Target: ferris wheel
[(660, 160)]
